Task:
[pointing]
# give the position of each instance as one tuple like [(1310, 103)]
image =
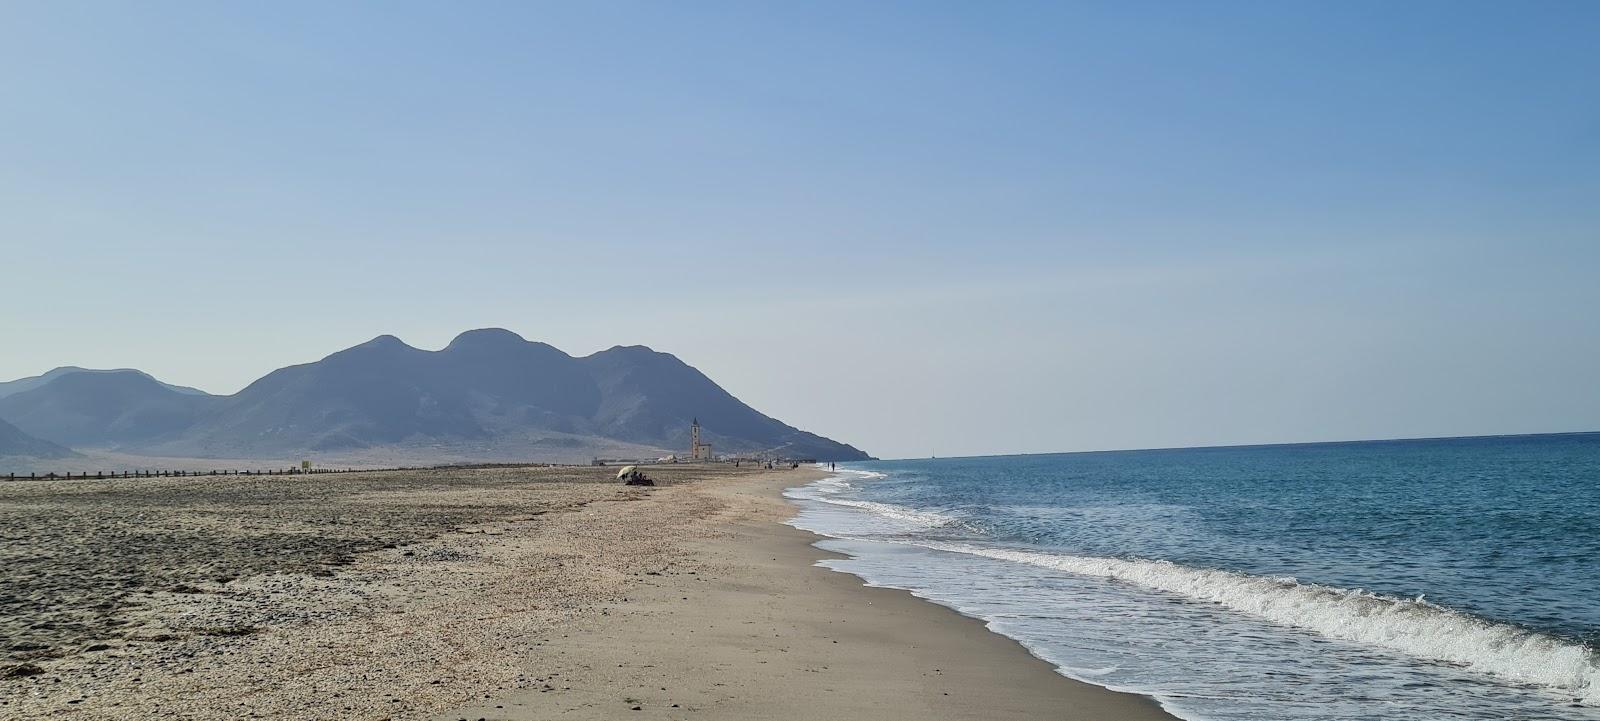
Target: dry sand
[(495, 594)]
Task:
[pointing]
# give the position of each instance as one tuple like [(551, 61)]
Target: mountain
[(652, 397), (489, 394), (13, 442), (23, 384), (109, 409), (490, 388)]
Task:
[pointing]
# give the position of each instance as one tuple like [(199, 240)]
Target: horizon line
[(1402, 439)]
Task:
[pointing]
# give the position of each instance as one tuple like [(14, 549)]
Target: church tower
[(697, 451)]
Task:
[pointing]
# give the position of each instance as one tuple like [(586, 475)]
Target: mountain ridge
[(488, 391), (103, 409), (19, 385)]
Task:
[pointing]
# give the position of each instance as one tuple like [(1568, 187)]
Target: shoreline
[(504, 594), (763, 632)]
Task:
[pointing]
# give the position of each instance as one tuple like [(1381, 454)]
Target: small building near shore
[(698, 451)]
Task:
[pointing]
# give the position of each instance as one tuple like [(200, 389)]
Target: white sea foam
[(903, 518), (835, 484), (848, 473), (901, 514), (1413, 627)]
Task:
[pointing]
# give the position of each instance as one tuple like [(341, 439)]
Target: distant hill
[(652, 397), (105, 409), (13, 442), (489, 394), (19, 385)]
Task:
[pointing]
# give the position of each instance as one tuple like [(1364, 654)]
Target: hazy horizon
[(921, 229)]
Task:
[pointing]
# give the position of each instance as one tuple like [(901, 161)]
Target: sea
[(1453, 578)]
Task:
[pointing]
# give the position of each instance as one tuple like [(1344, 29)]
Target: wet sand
[(495, 593)]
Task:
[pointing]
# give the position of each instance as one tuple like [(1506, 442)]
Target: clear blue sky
[(922, 228)]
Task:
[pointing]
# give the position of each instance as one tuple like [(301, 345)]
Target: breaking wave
[(1414, 627), (906, 516), (827, 490)]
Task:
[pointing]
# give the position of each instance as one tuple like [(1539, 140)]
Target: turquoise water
[(1451, 578)]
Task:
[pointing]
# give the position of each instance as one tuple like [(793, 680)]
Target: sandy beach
[(512, 593)]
